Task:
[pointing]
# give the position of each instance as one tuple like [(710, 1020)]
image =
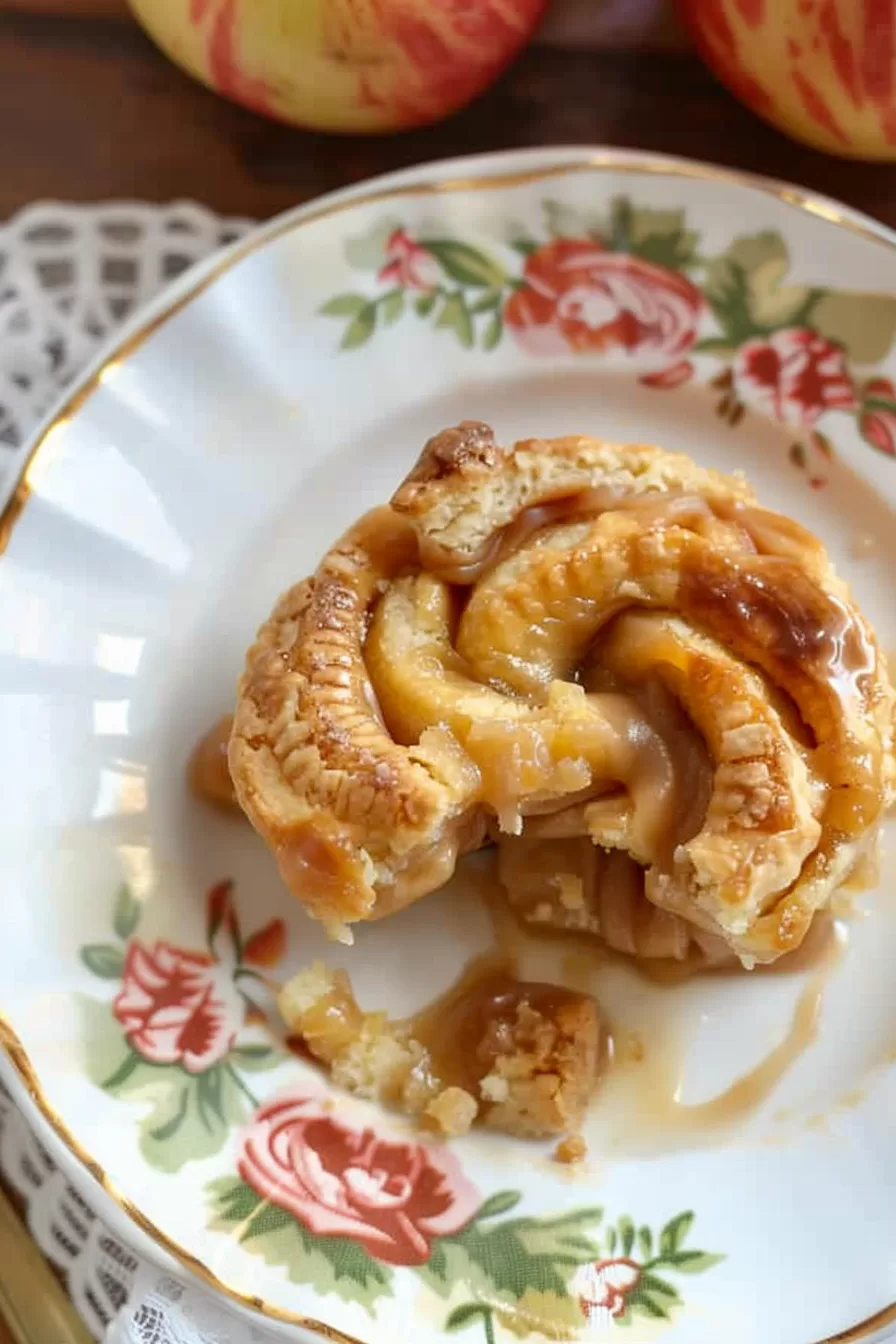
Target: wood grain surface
[(90, 110), (83, 8), (34, 1308)]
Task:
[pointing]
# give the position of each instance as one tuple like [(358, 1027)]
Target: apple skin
[(824, 71), (344, 65)]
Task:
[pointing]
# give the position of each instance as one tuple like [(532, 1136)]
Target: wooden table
[(90, 110), (34, 1308)]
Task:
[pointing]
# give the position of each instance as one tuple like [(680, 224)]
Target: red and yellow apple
[(822, 70), (344, 65)]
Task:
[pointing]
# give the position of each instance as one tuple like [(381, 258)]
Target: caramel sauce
[(646, 1092), (325, 869), (207, 773), (772, 607), (466, 1029), (653, 1093), (761, 602), (815, 647), (640, 1100), (333, 1023), (476, 1022)]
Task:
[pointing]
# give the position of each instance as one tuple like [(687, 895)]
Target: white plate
[(242, 421)]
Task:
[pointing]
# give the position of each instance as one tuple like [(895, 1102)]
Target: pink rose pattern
[(393, 1197), (177, 1007), (408, 264), (878, 418), (577, 295), (793, 376), (408, 1204), (370, 1201), (625, 291), (183, 1007)]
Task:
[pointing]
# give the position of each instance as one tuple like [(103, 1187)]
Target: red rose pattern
[(669, 378), (877, 421), (409, 264), (794, 375), (579, 296), (177, 1007), (641, 311), (393, 1197)]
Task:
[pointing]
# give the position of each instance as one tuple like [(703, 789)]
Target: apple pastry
[(648, 691), (520, 1057)]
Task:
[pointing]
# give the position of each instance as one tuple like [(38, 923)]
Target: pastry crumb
[(572, 891), (494, 1088), (516, 1057), (453, 1111), (571, 1149)]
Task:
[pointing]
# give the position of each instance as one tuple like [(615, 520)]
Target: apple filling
[(572, 642)]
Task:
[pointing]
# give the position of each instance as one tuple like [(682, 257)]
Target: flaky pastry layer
[(602, 636)]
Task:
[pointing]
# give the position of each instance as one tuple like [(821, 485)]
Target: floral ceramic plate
[(741, 1177)]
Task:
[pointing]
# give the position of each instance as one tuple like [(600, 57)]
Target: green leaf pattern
[(464, 292), (535, 1275), (334, 1265), (103, 959), (183, 1116), (127, 913), (526, 1273), (629, 1281), (505, 1260)]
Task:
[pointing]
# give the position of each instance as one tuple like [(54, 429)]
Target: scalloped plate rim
[(193, 282)]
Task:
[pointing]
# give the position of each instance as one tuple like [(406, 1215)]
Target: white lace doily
[(120, 1298), (68, 276)]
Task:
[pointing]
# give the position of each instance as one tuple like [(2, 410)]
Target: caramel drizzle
[(748, 582), (208, 774), (640, 1099), (764, 605)]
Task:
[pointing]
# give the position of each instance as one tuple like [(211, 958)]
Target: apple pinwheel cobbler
[(654, 697)]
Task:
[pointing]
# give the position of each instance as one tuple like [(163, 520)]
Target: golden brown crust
[(521, 1058), (459, 500), (312, 764), (465, 451), (384, 718), (545, 1065)]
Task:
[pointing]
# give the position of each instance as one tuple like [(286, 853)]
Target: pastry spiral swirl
[(568, 639)]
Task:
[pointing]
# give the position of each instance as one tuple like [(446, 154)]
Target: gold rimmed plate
[(202, 466)]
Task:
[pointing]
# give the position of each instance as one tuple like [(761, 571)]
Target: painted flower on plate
[(177, 1007), (604, 1287), (391, 1196), (577, 295), (877, 421), (408, 263), (794, 375)]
